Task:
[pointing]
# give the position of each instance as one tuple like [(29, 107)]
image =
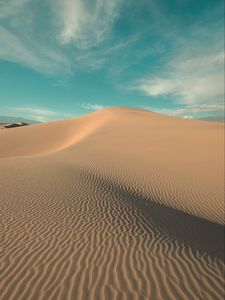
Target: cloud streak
[(194, 111), (31, 54), (92, 106), (11, 7), (73, 23), (40, 114), (119, 42), (190, 80), (193, 75), (83, 24)]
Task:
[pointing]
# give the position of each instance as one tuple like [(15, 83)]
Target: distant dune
[(10, 119), (12, 125), (214, 119), (118, 204)]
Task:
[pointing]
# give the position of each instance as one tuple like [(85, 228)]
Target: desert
[(118, 204)]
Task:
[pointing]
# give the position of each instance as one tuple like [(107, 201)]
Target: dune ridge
[(46, 138), (101, 213)]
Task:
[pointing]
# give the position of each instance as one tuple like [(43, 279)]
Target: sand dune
[(119, 204), (12, 125)]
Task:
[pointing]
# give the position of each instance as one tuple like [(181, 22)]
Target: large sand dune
[(119, 204)]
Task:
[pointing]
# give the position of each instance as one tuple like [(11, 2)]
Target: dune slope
[(119, 204)]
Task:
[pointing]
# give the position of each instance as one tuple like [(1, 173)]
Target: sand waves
[(120, 204), (85, 241)]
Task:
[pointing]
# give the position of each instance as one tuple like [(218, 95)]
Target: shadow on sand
[(200, 234)]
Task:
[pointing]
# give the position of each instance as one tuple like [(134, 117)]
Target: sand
[(118, 204)]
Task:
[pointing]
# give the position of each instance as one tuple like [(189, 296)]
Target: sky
[(64, 58)]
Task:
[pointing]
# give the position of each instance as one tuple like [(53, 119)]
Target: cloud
[(192, 74), (190, 80), (45, 49), (31, 54), (40, 114), (11, 7), (193, 110), (43, 114), (21, 41), (84, 24), (187, 117), (201, 108), (91, 106), (62, 37)]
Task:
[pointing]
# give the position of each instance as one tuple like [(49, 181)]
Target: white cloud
[(201, 108), (187, 117), (21, 43), (35, 111), (84, 24), (72, 22), (40, 114), (191, 80), (32, 54), (192, 71), (193, 110), (92, 106), (192, 75), (11, 7)]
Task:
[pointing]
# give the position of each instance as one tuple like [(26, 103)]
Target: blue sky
[(64, 58)]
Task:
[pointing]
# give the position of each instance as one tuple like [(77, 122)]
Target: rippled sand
[(119, 204)]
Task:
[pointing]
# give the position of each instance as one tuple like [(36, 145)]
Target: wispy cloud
[(40, 114), (77, 35), (43, 114), (74, 27), (31, 54), (201, 108), (92, 106), (193, 110), (84, 24), (193, 74), (11, 7), (193, 79), (123, 41)]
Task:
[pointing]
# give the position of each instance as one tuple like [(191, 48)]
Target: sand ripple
[(83, 240), (99, 213)]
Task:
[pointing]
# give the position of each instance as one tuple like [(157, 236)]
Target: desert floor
[(118, 204)]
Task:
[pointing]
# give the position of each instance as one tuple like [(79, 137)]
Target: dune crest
[(45, 138), (119, 204)]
